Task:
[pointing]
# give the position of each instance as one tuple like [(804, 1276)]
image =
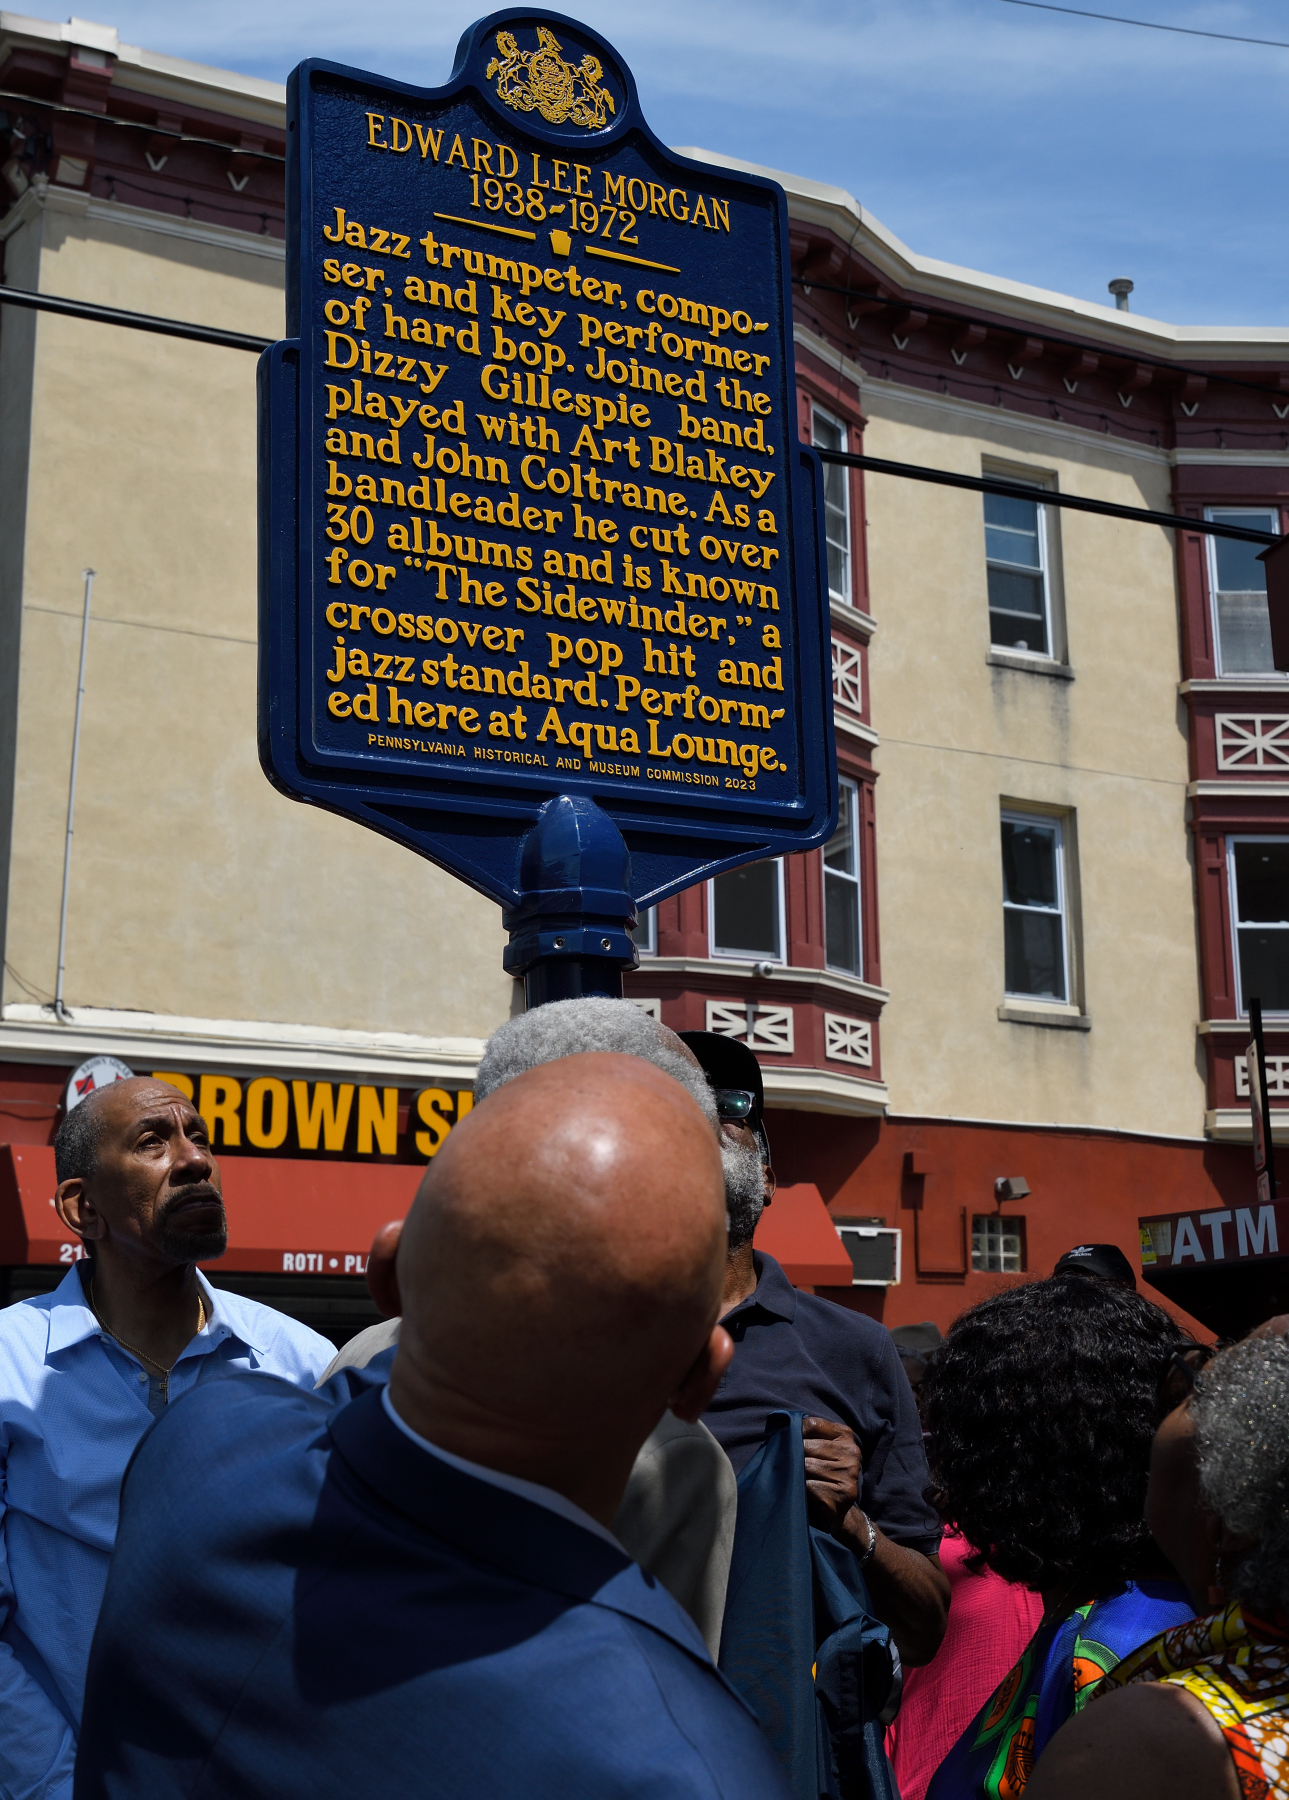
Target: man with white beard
[(865, 1467)]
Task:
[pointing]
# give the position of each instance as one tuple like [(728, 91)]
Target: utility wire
[(115, 315), (153, 129), (1077, 12), (1026, 490)]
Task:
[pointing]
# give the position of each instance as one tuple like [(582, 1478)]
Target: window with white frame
[(746, 912), (827, 433), (841, 884), (1238, 584), (997, 1244), (1016, 562), (1035, 934), (1259, 869), (645, 933)]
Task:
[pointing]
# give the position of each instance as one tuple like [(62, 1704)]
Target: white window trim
[(747, 956), (1210, 567), (1044, 569), (817, 411), (649, 913), (1233, 894), (857, 879), (1011, 816)]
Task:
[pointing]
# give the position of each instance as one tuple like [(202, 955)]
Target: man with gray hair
[(573, 1027), (677, 1514)]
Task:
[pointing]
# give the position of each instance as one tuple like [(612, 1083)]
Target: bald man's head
[(563, 1260)]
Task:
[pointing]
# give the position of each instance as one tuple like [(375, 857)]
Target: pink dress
[(990, 1623)]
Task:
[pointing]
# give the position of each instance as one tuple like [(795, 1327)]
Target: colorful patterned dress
[(1237, 1666), (1063, 1662)]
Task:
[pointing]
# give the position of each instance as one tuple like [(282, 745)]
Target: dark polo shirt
[(797, 1352)]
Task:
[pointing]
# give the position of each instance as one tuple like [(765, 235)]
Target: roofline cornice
[(169, 78), (833, 209)]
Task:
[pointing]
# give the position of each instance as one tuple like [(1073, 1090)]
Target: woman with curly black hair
[(1041, 1406)]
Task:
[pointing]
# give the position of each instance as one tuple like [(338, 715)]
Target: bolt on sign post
[(541, 556)]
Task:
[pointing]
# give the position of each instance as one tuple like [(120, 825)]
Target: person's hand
[(833, 1469)]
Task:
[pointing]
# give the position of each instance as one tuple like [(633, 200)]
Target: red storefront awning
[(291, 1216), (284, 1215), (797, 1231)]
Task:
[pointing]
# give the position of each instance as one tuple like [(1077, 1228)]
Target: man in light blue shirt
[(83, 1373)]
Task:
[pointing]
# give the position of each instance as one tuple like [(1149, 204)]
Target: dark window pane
[(1029, 864), (643, 932), (839, 851), (1238, 568), (1243, 629), (1264, 968), (1019, 547), (837, 577), (1034, 960), (1262, 881), (1015, 593), (746, 908), (1015, 515), (827, 435), (1007, 632), (835, 480), (841, 922), (873, 1256)]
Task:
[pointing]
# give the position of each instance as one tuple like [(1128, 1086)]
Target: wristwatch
[(866, 1554)]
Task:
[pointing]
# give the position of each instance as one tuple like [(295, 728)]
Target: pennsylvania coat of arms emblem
[(540, 80)]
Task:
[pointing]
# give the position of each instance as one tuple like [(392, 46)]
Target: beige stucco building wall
[(962, 735), (196, 888)]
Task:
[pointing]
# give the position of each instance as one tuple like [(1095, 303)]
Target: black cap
[(728, 1063), (1103, 1262), (917, 1340)]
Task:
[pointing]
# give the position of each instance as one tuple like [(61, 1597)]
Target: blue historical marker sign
[(535, 517)]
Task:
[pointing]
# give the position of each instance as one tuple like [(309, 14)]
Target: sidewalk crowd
[(606, 1506)]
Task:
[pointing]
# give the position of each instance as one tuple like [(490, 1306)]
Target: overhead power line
[(986, 484), (1025, 490), (1079, 12), (115, 315)]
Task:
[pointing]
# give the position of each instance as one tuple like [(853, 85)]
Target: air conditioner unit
[(874, 1252)]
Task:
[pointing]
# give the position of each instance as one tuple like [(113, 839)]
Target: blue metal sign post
[(542, 558)]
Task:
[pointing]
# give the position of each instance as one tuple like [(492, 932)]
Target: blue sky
[(1054, 150)]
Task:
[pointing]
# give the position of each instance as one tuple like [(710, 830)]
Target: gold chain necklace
[(133, 1348)]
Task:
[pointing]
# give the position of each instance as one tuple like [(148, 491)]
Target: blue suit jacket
[(304, 1603)]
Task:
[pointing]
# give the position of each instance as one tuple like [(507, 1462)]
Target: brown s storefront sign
[(269, 1115)]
